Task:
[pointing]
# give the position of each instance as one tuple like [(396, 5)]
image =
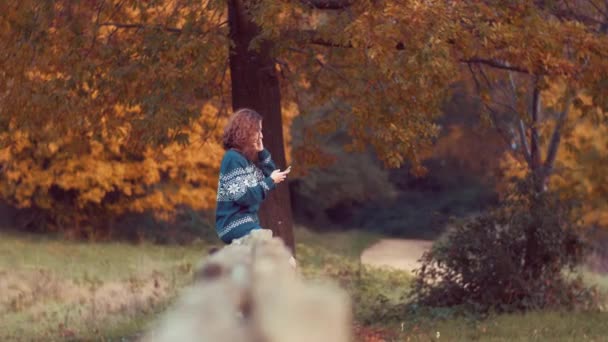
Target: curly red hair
[(241, 132)]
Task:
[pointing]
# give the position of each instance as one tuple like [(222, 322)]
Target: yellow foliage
[(580, 170), (290, 112), (160, 180), (93, 98)]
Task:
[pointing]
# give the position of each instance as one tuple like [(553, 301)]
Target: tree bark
[(556, 136), (255, 85), (535, 157)]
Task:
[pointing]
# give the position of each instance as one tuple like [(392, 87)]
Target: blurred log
[(250, 291)]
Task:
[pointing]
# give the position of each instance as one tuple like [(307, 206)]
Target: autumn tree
[(141, 71), (543, 69), (543, 74), (255, 84), (98, 99)]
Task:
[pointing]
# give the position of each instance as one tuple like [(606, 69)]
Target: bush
[(511, 258)]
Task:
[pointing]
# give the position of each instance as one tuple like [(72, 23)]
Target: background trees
[(112, 106)]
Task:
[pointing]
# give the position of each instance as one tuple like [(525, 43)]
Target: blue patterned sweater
[(242, 187)]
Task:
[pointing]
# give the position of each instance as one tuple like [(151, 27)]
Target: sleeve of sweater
[(266, 164), (239, 184)]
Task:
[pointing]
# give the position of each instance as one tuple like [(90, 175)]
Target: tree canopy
[(96, 95)]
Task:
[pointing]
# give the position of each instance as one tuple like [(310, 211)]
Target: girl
[(247, 174)]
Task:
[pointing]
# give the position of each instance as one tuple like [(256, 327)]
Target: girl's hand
[(278, 176)]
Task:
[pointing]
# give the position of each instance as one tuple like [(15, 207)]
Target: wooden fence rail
[(250, 291)]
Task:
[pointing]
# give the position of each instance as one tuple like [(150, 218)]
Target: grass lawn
[(376, 296), (534, 326), (53, 290)]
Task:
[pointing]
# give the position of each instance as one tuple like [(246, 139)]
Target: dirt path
[(395, 253)]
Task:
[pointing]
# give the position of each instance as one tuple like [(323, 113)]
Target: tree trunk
[(255, 85)]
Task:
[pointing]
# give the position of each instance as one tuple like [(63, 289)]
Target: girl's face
[(258, 136)]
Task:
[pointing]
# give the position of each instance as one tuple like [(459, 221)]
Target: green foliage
[(421, 213), (511, 258), (351, 179)]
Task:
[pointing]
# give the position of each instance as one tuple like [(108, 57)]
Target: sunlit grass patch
[(373, 291), (348, 244), (55, 290)]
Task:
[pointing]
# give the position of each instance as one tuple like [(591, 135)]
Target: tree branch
[(329, 4), (597, 7), (495, 64), (524, 142), (485, 77), (326, 43), (556, 136), (534, 138), (493, 115), (569, 13), (142, 26), (156, 27), (521, 127), (310, 36), (94, 39), (400, 46)]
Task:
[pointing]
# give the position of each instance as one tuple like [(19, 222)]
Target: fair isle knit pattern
[(236, 223), (235, 184), (242, 187)]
